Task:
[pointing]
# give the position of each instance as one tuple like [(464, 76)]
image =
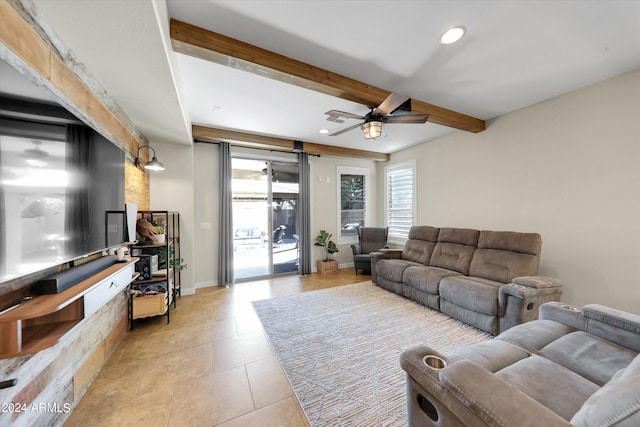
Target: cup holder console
[(434, 362), (569, 307)]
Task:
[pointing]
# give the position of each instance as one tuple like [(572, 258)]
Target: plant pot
[(327, 267), (159, 238)]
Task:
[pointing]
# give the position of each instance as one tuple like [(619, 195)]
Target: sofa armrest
[(388, 253), (617, 326), (537, 282), (620, 319), (614, 325), (519, 301), (356, 249), (411, 362), (566, 314), (382, 254), (495, 401), (526, 287)]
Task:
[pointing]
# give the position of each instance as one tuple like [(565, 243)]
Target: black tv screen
[(58, 183)]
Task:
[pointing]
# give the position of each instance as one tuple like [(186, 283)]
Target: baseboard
[(199, 285)]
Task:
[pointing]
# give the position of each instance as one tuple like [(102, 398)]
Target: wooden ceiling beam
[(204, 133), (208, 45)]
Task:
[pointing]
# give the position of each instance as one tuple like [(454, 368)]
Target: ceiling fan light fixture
[(372, 129), (452, 35)]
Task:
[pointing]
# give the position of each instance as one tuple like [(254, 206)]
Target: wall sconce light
[(372, 129), (152, 164)]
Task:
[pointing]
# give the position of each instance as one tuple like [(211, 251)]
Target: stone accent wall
[(136, 186)]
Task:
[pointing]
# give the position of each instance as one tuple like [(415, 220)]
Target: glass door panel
[(265, 199), (251, 219), (284, 185)]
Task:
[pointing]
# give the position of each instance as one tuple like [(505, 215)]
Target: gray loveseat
[(572, 367), (487, 279)]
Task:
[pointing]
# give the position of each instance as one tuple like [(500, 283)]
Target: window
[(352, 203), (400, 200)]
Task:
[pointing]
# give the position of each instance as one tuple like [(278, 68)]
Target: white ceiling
[(515, 53)]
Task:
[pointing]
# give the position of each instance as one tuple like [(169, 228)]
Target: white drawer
[(107, 289)]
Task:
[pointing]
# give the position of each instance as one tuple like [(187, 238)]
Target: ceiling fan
[(372, 121)]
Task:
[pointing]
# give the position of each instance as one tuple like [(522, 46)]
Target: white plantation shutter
[(400, 200)]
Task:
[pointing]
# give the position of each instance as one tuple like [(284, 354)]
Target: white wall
[(173, 190), (324, 201), (207, 192), (567, 168)]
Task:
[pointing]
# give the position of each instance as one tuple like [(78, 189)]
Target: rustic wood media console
[(40, 322)]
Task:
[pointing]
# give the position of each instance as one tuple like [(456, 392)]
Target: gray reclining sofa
[(572, 367), (487, 279)]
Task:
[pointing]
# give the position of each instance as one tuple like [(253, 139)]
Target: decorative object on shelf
[(152, 164), (122, 254), (327, 265), (145, 230), (160, 228)]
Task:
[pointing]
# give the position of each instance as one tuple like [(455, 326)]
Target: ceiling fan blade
[(343, 114), (340, 132), (407, 118), (393, 101)]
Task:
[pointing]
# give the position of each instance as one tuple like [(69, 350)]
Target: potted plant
[(160, 228), (327, 265)]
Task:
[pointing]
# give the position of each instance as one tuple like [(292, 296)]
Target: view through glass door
[(265, 199)]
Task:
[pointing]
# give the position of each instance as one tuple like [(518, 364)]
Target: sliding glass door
[(265, 198)]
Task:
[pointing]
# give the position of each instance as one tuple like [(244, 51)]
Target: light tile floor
[(211, 366)]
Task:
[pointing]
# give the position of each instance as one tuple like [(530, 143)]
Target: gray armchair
[(371, 239)]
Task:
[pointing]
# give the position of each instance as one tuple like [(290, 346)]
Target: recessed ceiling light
[(452, 35), (323, 131)]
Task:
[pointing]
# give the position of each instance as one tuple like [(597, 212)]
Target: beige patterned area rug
[(340, 349)]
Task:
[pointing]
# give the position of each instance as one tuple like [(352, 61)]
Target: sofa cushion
[(473, 293), (419, 246), (455, 249), (552, 385), (426, 279), (534, 336), (594, 358), (392, 269), (463, 236), (503, 255), (492, 355), (486, 322), (617, 403), (512, 241)]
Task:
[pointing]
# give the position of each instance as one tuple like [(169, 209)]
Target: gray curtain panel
[(304, 214), (225, 232), (77, 198)]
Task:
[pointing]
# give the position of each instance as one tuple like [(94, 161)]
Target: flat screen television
[(61, 194)]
